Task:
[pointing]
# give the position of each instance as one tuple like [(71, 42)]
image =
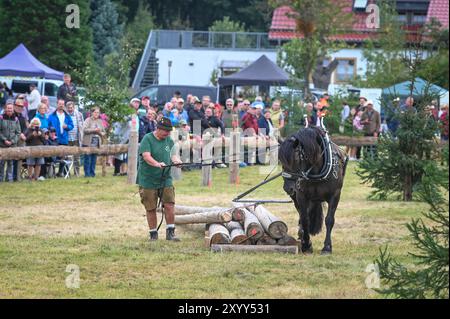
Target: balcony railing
[(170, 39)]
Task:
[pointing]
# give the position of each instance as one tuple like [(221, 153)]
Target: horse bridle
[(306, 174)]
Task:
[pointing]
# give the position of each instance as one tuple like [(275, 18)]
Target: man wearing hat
[(196, 114), (154, 179)]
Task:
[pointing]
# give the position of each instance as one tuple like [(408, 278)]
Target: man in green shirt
[(154, 179)]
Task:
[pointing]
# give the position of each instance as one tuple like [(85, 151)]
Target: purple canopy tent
[(20, 62)]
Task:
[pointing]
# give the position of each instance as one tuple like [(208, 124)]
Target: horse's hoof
[(326, 251), (307, 250)]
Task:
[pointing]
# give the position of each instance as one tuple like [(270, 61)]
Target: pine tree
[(106, 29), (41, 27), (404, 154), (429, 278)]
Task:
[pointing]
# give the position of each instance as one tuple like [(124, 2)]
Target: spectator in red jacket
[(250, 122)]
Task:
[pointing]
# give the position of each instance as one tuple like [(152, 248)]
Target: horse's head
[(300, 152)]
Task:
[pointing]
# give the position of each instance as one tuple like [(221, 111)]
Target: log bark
[(218, 234), (237, 233), (21, 153), (204, 218), (255, 249), (189, 210), (266, 240), (252, 226), (273, 225)]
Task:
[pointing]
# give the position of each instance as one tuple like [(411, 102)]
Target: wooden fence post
[(207, 153), (133, 151), (234, 150), (176, 171)]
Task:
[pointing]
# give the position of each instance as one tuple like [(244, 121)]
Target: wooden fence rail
[(21, 153)]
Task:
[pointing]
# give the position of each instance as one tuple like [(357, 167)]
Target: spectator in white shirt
[(34, 99)]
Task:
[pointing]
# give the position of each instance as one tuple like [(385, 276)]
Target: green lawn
[(99, 225)]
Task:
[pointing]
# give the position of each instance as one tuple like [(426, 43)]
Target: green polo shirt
[(151, 177)]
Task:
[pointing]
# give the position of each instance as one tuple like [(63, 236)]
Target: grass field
[(99, 225)]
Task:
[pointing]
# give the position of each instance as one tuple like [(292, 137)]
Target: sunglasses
[(246, 104)]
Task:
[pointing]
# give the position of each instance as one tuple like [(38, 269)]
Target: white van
[(21, 85)]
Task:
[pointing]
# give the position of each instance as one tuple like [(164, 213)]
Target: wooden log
[(252, 226), (189, 210), (218, 234), (238, 215), (266, 240), (21, 153), (204, 218), (273, 225), (237, 233), (255, 249), (287, 241)]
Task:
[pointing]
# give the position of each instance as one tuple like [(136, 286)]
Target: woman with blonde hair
[(93, 132)]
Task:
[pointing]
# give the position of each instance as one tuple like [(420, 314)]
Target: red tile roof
[(284, 25), (438, 9)]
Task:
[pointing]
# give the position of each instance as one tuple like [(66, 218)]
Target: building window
[(360, 5), (346, 70)]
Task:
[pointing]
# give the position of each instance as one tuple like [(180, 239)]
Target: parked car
[(21, 85), (160, 94)]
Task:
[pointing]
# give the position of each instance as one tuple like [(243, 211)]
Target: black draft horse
[(313, 172)]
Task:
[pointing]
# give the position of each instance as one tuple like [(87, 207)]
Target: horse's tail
[(315, 218)]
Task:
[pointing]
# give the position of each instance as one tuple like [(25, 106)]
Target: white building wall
[(203, 63)]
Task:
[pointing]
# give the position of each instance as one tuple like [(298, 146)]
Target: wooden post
[(176, 171), (251, 149), (207, 153), (273, 225), (255, 249), (218, 234), (234, 150), (133, 151)]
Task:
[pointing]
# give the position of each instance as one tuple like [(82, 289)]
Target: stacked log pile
[(243, 228)]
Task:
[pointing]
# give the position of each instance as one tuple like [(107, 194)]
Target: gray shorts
[(35, 161)]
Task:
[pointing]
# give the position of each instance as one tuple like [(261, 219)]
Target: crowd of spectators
[(29, 120)]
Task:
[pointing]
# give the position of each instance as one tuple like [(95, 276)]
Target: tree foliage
[(201, 14), (107, 86), (106, 29), (403, 156), (41, 27), (226, 25), (316, 22), (429, 278)]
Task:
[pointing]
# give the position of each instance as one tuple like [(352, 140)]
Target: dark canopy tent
[(261, 72), (20, 62)]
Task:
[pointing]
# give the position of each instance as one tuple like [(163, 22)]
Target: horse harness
[(329, 169)]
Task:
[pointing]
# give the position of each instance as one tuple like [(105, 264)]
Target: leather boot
[(170, 234)]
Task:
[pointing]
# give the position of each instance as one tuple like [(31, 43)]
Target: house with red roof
[(351, 63)]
